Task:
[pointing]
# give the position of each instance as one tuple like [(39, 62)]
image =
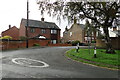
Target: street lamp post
[(27, 24)]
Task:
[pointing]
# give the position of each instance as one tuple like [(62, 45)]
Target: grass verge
[(103, 59)]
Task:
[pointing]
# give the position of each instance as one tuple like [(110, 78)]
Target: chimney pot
[(75, 20), (42, 19), (9, 26)]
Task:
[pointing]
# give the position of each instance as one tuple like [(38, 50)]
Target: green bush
[(93, 41), (74, 43), (68, 42), (22, 38), (35, 44)]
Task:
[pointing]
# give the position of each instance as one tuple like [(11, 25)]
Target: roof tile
[(40, 24)]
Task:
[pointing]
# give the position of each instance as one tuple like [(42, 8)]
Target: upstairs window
[(53, 31), (43, 31), (32, 30), (70, 34)]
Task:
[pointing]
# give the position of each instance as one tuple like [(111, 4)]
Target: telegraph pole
[(27, 24)]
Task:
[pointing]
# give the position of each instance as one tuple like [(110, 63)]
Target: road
[(59, 65)]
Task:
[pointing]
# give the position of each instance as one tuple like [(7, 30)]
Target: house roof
[(39, 24), (82, 26), (10, 29)]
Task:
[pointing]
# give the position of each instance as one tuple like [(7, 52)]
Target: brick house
[(12, 31), (40, 29), (76, 32)]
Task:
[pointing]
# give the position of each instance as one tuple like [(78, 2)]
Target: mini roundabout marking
[(30, 62)]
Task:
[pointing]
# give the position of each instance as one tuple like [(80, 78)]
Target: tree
[(88, 29), (102, 14), (91, 29)]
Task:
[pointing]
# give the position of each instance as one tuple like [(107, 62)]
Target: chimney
[(9, 26), (114, 28), (42, 19), (75, 20)]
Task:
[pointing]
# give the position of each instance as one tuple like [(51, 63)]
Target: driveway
[(59, 65)]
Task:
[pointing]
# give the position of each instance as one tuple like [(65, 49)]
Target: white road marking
[(20, 63)]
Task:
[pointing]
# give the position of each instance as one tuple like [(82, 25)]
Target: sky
[(12, 11)]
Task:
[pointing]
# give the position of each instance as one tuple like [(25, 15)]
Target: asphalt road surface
[(59, 65)]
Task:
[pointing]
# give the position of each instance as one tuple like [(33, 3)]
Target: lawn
[(103, 59)]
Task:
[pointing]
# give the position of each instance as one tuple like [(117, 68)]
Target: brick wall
[(22, 44), (60, 44), (115, 41), (100, 43)]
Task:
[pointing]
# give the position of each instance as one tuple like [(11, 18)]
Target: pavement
[(59, 65), (1, 55)]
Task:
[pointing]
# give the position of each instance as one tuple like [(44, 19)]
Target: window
[(53, 41), (43, 31), (70, 33), (53, 31), (65, 32), (32, 30)]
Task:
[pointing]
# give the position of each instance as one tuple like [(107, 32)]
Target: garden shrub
[(74, 43), (35, 44), (93, 41), (68, 42), (23, 38)]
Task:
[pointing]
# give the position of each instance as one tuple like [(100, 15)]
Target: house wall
[(65, 37), (37, 32), (22, 30), (58, 36), (48, 34), (77, 34), (13, 32)]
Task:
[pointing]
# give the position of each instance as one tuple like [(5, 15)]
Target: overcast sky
[(12, 11)]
